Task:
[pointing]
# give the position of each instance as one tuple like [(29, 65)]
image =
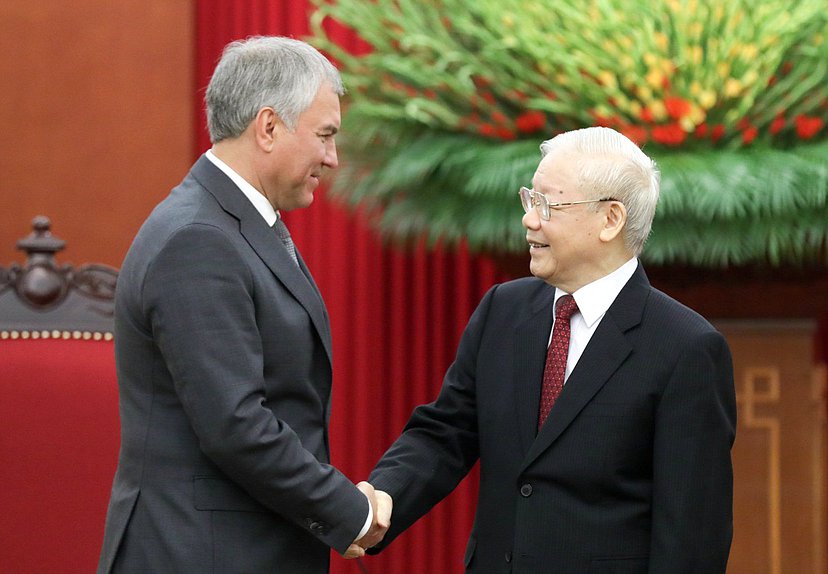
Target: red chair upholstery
[(59, 428)]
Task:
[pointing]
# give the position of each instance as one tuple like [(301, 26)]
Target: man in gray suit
[(223, 346)]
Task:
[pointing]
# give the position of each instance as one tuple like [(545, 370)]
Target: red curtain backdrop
[(396, 316)]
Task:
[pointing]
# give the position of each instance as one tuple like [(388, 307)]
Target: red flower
[(637, 134), (743, 124), (771, 81), (786, 68), (676, 107), (777, 124), (749, 135), (646, 115), (488, 97), (487, 130), (671, 134), (531, 121), (430, 94), (717, 132), (499, 118), (505, 133), (701, 131), (518, 95), (807, 127), (481, 82)]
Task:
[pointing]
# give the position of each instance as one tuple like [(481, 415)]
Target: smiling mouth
[(533, 245)]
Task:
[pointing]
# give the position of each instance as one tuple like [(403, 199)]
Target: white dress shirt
[(270, 215), (593, 301)]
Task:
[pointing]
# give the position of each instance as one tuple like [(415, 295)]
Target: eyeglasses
[(531, 198)]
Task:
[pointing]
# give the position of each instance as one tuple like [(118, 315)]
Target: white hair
[(610, 165)]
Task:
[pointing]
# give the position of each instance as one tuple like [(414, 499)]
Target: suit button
[(526, 490), (318, 527), (508, 557)]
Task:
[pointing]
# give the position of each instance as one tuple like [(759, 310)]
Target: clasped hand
[(382, 505)]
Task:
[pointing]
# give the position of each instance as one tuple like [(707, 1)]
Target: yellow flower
[(723, 69), (661, 41), (658, 110), (509, 20), (650, 59), (707, 99), (695, 89), (750, 77), (621, 102), (732, 87), (696, 115), (627, 62), (749, 51), (607, 79), (603, 110), (696, 54), (635, 109), (645, 93), (655, 78), (687, 124)]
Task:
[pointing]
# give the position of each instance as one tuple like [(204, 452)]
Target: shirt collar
[(259, 201), (595, 298)]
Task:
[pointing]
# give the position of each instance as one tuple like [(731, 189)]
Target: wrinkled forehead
[(556, 171)]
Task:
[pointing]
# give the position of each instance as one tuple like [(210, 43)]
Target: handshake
[(381, 505)]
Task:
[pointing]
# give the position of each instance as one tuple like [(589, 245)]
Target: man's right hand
[(382, 506)]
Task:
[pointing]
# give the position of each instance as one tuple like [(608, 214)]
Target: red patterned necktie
[(553, 372)]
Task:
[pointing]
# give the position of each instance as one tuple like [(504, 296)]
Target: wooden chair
[(59, 428)]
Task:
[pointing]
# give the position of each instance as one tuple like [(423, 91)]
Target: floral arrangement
[(449, 100)]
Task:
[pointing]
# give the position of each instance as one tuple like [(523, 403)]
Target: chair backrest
[(59, 428)]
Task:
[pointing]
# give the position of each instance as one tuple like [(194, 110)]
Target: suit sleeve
[(439, 444), (692, 470), (197, 295)]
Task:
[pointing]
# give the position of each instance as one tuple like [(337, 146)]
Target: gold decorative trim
[(761, 386), (55, 334)]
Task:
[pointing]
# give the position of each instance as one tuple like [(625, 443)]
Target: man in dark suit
[(223, 346), (627, 469)]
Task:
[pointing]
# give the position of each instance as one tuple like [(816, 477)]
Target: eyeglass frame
[(532, 195)]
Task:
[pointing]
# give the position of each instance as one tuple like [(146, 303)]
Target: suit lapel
[(530, 344), (264, 241), (606, 351)]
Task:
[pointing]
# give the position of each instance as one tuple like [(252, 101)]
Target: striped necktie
[(284, 235)]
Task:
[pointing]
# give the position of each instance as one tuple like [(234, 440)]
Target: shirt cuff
[(368, 521)]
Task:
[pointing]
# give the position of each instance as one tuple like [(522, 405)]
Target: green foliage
[(446, 111)]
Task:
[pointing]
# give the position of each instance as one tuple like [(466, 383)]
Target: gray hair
[(611, 165), (265, 71)]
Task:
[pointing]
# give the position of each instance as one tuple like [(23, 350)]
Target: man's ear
[(616, 219), (267, 127)]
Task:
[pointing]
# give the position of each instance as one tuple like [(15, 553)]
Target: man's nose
[(331, 159), (531, 219)]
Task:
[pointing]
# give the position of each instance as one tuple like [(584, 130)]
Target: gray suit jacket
[(223, 351), (630, 474)]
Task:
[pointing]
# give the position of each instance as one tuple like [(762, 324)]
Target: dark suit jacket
[(223, 351), (631, 474)]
